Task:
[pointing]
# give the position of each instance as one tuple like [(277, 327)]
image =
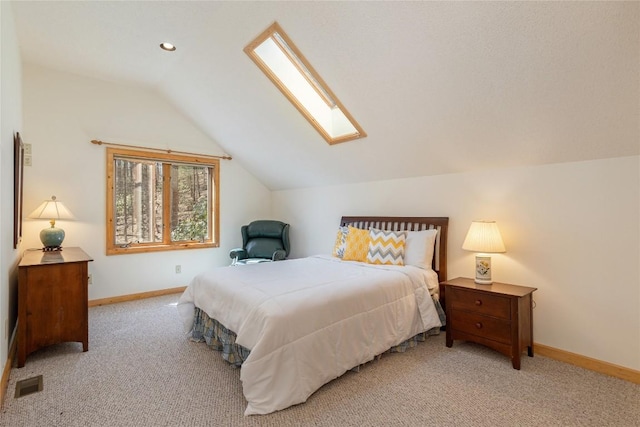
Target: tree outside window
[(160, 201)]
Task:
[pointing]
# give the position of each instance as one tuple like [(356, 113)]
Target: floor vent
[(28, 386)]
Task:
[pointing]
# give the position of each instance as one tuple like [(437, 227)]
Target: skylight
[(277, 56)]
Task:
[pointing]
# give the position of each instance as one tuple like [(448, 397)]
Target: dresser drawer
[(477, 324), (479, 302)]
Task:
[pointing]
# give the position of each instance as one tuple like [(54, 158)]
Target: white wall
[(571, 230), (11, 122), (62, 114)]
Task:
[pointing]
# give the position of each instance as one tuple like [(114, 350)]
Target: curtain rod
[(97, 142)]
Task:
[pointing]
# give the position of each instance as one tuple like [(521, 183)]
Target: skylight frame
[(313, 79)]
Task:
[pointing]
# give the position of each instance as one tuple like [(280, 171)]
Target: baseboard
[(133, 297), (606, 368), (4, 381)]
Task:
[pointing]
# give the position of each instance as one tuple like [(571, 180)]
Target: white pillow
[(419, 248)]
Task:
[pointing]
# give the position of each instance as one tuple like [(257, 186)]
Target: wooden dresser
[(497, 315), (52, 299)]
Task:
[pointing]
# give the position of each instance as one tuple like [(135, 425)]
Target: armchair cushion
[(261, 247)]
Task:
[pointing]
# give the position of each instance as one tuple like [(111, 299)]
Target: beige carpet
[(140, 370)]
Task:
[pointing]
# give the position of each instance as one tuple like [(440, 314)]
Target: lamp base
[(51, 248), (51, 238), (483, 270)]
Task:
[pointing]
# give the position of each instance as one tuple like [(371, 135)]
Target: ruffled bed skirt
[(222, 339)]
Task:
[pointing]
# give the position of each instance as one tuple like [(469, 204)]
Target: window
[(276, 55), (158, 201)]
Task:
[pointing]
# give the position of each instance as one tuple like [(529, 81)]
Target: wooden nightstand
[(497, 315), (52, 300)]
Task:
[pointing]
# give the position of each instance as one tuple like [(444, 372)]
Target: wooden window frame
[(166, 159), (312, 77)]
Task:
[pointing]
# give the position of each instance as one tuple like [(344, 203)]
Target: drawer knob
[(478, 302), (479, 325)]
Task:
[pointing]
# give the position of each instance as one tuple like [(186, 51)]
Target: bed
[(293, 326)]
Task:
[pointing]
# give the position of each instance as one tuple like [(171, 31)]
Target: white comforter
[(309, 320)]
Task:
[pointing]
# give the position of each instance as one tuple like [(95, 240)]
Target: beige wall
[(571, 230), (11, 122), (62, 114)]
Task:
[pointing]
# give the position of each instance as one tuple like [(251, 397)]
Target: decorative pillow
[(386, 247), (419, 248), (341, 242), (357, 245)]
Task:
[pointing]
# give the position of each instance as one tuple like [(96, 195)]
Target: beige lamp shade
[(52, 210), (485, 237)]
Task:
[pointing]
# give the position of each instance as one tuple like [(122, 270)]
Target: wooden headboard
[(402, 223)]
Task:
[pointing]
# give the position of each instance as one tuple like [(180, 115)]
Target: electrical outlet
[(90, 280), (178, 269), (27, 160)]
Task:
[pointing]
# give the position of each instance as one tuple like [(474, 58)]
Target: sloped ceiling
[(439, 87)]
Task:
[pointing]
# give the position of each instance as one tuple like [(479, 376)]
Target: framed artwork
[(18, 175)]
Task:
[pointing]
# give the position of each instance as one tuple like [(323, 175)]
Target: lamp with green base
[(52, 210)]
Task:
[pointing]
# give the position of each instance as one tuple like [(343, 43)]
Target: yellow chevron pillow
[(386, 247), (357, 245)]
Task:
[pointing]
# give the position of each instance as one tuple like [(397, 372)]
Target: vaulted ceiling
[(439, 87)]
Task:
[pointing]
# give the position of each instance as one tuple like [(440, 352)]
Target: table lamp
[(51, 237), (483, 238)]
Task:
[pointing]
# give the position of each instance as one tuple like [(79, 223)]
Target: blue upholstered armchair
[(262, 241)]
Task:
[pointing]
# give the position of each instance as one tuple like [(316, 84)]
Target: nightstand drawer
[(476, 324), (479, 302)]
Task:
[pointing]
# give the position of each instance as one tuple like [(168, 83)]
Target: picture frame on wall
[(18, 175)]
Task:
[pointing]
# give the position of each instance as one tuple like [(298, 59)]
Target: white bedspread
[(309, 320)]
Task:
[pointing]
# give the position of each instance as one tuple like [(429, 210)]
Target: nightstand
[(498, 316), (52, 300)]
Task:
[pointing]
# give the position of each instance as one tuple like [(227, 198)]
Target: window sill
[(136, 249)]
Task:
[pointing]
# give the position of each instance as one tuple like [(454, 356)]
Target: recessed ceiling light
[(167, 46)]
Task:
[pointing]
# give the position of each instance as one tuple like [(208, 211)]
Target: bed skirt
[(222, 339)]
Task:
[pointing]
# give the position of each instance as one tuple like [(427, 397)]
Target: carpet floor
[(141, 370)]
